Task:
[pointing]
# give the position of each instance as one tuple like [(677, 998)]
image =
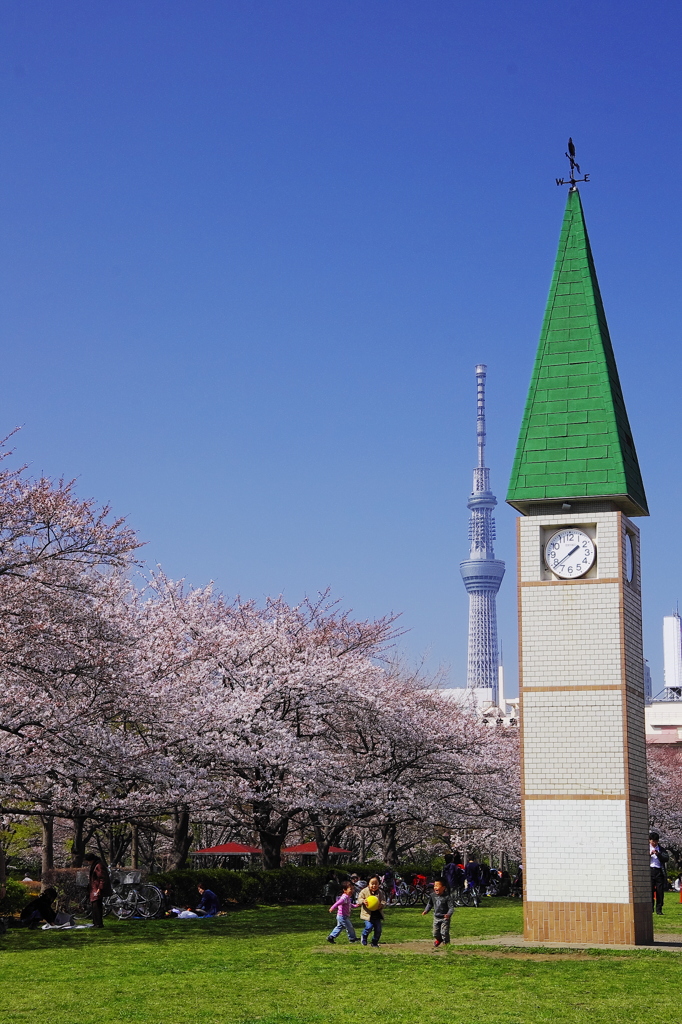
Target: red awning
[(229, 848), (312, 848)]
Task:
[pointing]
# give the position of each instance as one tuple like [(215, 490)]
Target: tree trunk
[(47, 822), (271, 841), (271, 845), (134, 847), (389, 844), (325, 838), (271, 836), (78, 843), (3, 873), (323, 842), (182, 840), (322, 855)]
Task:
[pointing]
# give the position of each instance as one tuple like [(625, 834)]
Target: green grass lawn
[(272, 965)]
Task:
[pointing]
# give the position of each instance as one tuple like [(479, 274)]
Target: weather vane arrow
[(570, 156)]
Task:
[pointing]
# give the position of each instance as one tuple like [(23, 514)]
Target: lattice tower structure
[(481, 572)]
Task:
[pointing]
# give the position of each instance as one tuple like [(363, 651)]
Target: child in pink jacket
[(343, 908)]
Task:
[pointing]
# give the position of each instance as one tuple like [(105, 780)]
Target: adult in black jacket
[(453, 872), (40, 909), (658, 858)]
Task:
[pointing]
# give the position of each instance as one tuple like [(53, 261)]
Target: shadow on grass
[(257, 921), (261, 922)]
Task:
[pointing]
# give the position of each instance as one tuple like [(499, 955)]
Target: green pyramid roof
[(575, 440)]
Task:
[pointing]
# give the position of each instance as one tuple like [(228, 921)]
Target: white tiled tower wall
[(584, 771)]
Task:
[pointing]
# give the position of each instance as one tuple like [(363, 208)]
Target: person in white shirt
[(658, 858)]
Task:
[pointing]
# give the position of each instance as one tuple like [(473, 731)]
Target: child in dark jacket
[(443, 905)]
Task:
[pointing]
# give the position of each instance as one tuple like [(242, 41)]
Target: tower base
[(624, 924)]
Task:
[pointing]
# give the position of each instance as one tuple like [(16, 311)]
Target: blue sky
[(250, 253)]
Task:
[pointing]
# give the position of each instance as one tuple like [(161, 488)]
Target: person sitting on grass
[(209, 904), (39, 909), (343, 908), (372, 902), (443, 905)]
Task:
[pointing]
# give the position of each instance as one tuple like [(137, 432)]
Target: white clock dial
[(569, 554)]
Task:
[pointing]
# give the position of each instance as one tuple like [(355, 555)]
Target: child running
[(343, 908), (372, 902), (443, 905)]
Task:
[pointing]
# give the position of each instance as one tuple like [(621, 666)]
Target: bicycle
[(467, 897), (125, 902), (424, 892), (406, 895)]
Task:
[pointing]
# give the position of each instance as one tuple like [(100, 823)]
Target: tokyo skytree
[(482, 572)]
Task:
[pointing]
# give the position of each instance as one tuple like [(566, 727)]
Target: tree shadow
[(243, 924)]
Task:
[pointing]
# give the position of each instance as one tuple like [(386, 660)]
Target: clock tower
[(577, 484)]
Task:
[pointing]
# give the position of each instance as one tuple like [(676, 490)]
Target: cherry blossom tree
[(664, 766), (247, 694), (57, 553)]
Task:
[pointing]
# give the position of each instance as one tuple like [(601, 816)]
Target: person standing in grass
[(658, 859), (453, 871), (443, 905), (343, 908), (99, 887), (372, 901)]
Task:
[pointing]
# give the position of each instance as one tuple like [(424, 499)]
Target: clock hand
[(571, 552)]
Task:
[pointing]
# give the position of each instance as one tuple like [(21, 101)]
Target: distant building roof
[(311, 848), (227, 848)]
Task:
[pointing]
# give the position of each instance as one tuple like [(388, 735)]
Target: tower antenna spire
[(575, 166), (480, 414)]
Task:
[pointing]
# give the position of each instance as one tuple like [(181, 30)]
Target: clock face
[(569, 554)]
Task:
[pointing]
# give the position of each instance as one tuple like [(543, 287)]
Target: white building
[(663, 716)]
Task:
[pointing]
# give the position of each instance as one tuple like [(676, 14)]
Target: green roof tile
[(575, 429)]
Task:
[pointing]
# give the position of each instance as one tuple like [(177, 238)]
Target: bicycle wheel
[(85, 907), (468, 898), (425, 894), (404, 896), (417, 895), (120, 905), (409, 896), (150, 901)]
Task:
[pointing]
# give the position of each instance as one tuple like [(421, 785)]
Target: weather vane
[(572, 181)]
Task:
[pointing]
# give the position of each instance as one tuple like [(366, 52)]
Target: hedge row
[(16, 897), (283, 885)]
